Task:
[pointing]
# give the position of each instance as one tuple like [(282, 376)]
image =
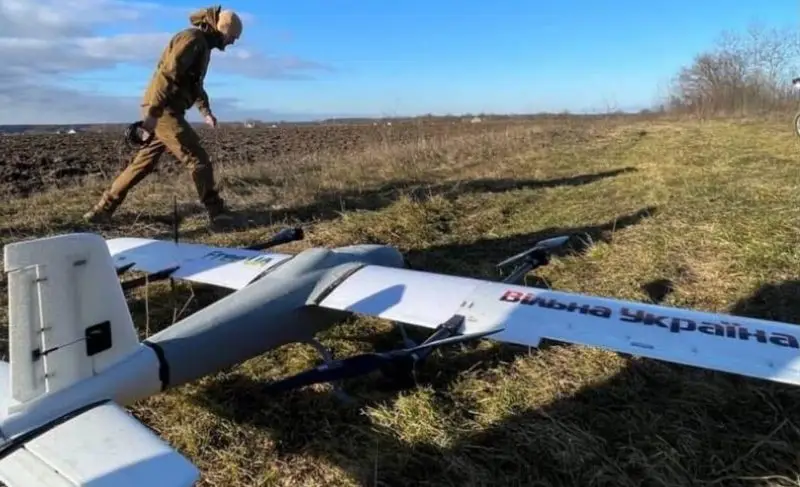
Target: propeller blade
[(546, 246), (284, 236)]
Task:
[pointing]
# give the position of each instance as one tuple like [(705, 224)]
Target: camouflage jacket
[(177, 83)]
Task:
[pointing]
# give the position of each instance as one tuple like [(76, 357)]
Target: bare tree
[(745, 73)]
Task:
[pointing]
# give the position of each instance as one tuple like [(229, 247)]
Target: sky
[(88, 61)]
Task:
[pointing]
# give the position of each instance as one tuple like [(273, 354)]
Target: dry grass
[(706, 211)]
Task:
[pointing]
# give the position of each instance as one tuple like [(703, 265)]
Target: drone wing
[(100, 445), (750, 347), (229, 268)]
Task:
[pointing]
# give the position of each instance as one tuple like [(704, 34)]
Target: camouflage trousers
[(172, 133)]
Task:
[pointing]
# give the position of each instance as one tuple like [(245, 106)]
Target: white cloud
[(43, 43), (68, 18)]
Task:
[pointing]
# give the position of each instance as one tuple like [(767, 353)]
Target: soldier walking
[(176, 86)]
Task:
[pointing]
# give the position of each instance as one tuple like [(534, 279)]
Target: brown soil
[(32, 162)]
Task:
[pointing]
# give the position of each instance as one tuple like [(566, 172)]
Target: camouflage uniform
[(175, 87)]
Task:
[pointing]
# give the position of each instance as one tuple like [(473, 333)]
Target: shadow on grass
[(652, 423), (327, 206), (478, 258), (776, 302), (658, 290)]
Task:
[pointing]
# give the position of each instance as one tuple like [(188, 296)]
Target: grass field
[(692, 214)]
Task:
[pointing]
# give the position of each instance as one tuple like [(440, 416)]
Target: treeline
[(743, 74)]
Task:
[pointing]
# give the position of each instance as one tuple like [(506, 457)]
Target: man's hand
[(211, 120)]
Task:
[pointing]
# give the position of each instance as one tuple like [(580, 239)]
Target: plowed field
[(29, 163)]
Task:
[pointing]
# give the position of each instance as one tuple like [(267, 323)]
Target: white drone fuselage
[(76, 357)]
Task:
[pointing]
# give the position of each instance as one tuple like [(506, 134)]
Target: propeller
[(284, 236), (536, 256), (366, 363)]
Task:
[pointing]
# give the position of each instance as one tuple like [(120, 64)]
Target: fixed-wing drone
[(76, 359)]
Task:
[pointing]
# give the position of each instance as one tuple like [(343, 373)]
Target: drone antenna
[(175, 218), (172, 290)]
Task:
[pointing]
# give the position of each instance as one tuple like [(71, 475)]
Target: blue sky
[(383, 58), (515, 55)]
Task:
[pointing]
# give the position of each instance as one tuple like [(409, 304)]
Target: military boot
[(100, 213), (220, 217)]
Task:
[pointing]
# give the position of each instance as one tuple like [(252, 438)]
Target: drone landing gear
[(358, 365), (402, 327), (403, 371), (327, 360)]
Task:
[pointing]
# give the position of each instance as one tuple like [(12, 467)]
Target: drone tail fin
[(68, 317)]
